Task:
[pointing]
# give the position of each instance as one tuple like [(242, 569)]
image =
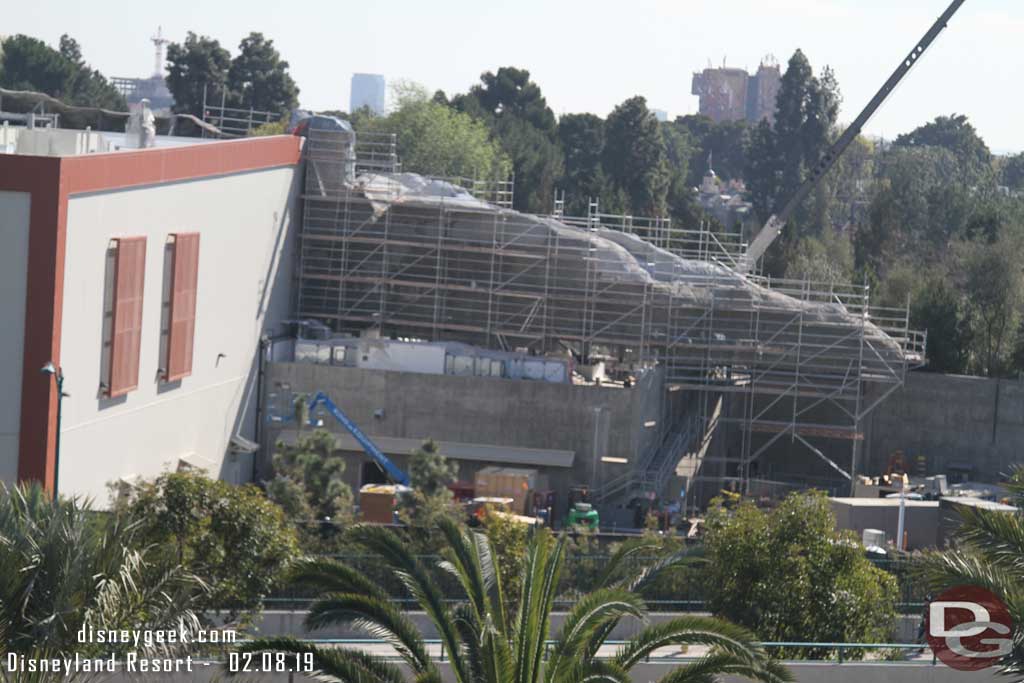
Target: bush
[(789, 575), (231, 537)]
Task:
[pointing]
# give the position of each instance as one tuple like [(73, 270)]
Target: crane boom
[(396, 475), (778, 221)]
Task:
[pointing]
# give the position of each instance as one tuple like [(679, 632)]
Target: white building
[(147, 277)]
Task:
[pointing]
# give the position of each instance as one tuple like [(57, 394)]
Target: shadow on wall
[(275, 296)]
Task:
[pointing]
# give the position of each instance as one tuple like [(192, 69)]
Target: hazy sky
[(588, 55)]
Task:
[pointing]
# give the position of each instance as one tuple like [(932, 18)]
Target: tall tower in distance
[(367, 91), (159, 41)]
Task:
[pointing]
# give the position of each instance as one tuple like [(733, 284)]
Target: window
[(126, 325), (182, 315)]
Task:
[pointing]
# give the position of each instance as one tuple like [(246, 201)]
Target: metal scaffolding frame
[(785, 358)]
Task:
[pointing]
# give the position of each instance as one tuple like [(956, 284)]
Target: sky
[(589, 55)]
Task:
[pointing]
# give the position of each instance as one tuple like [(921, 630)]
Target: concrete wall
[(490, 411), (950, 420), (244, 276), (14, 222), (646, 672)]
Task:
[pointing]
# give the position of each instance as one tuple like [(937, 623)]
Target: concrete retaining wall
[(491, 411), (952, 421)]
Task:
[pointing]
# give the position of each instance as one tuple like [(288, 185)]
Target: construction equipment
[(778, 221), (376, 454), (581, 513)]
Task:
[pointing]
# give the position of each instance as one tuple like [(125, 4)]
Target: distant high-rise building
[(728, 94), (660, 114), (367, 91)]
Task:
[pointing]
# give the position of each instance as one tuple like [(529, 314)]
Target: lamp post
[(58, 376)]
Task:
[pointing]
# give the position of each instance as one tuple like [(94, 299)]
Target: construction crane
[(778, 221), (389, 468)]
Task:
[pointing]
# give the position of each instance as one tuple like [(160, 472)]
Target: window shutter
[(126, 340), (184, 281)]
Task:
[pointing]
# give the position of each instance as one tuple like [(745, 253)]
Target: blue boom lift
[(394, 473)]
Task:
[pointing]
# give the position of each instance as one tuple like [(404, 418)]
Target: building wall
[(245, 260), (920, 524), (14, 232), (952, 421), (723, 93), (490, 411)]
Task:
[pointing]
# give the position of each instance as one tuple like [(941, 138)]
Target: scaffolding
[(445, 260)]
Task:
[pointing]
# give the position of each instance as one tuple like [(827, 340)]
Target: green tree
[(806, 110), (788, 575), (488, 643), (763, 172), (30, 64), (515, 110), (434, 139), (1013, 172), (88, 86), (956, 134), (994, 290), (232, 537), (725, 142), (938, 308), (259, 78), (634, 157), (63, 567), (582, 140), (825, 259), (200, 62), (681, 201), (309, 485), (917, 206), (430, 499)]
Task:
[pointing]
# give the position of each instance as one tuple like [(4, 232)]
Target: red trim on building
[(50, 181), (104, 172)]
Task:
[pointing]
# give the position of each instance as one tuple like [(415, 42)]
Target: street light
[(58, 375)]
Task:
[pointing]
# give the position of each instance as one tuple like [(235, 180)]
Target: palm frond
[(331, 576), (594, 671), (592, 612), (335, 664), (689, 630), (626, 551), (463, 561), (967, 566), (411, 572), (999, 535), (377, 617), (716, 664)]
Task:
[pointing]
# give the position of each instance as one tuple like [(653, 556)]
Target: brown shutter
[(126, 341), (181, 331)]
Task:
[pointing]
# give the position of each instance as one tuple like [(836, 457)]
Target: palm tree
[(485, 640), (989, 554), (64, 567)]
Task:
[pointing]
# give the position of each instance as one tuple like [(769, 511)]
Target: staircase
[(656, 465)]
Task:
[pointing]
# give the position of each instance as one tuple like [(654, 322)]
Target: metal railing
[(683, 591), (840, 653)]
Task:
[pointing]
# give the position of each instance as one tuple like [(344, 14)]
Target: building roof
[(884, 502)]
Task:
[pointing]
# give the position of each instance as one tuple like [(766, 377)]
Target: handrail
[(840, 649)]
